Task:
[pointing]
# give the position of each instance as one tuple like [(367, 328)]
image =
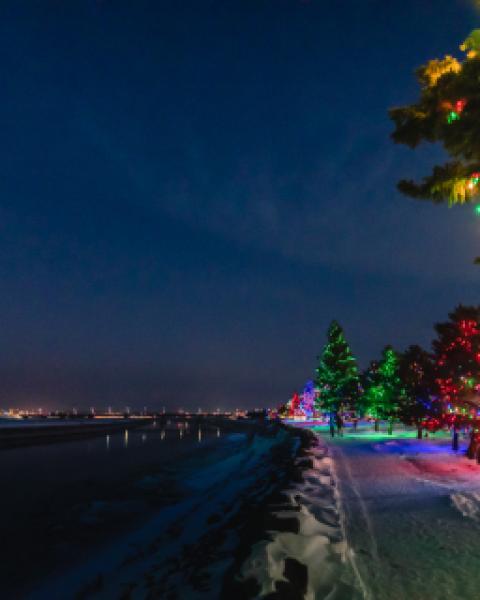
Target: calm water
[(60, 500)]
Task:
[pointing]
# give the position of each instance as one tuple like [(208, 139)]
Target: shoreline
[(257, 516), (189, 544), (259, 523), (301, 547), (32, 434)]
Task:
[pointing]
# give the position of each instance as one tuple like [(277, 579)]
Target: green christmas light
[(383, 388), (477, 209), (337, 374), (452, 116)]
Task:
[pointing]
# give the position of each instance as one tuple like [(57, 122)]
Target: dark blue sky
[(191, 191)]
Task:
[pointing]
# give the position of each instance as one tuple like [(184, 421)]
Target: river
[(61, 501)]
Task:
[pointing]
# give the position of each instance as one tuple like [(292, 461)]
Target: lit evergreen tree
[(307, 403), (337, 378), (418, 402), (447, 112), (369, 379), (384, 393), (457, 362), (294, 404)]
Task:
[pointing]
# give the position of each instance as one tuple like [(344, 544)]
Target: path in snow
[(412, 516)]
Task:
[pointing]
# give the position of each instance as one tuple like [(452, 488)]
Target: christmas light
[(307, 399), (452, 116), (384, 387), (455, 110), (294, 405), (337, 378), (458, 371)]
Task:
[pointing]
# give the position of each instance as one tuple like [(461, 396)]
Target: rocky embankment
[(294, 546)]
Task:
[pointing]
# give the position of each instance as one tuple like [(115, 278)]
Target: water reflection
[(179, 432)]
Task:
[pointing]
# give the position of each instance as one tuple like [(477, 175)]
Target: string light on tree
[(384, 388), (308, 399), (457, 351), (455, 110), (473, 181), (448, 93), (295, 407), (337, 378), (419, 403)]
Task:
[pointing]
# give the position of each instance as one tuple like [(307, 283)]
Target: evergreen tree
[(457, 363), (447, 112), (337, 378), (384, 393), (307, 404), (369, 379), (418, 378), (295, 407)]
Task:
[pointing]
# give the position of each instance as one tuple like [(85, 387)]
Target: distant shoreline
[(44, 432), (27, 435)]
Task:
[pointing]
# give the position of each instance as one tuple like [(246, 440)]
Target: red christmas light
[(460, 105)]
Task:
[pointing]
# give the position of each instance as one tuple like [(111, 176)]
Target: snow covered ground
[(318, 542), (184, 549), (365, 516), (410, 514)]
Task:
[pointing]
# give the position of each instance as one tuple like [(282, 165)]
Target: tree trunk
[(419, 432), (377, 425), (390, 427)]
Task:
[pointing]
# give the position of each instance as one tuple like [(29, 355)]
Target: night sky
[(190, 191)]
